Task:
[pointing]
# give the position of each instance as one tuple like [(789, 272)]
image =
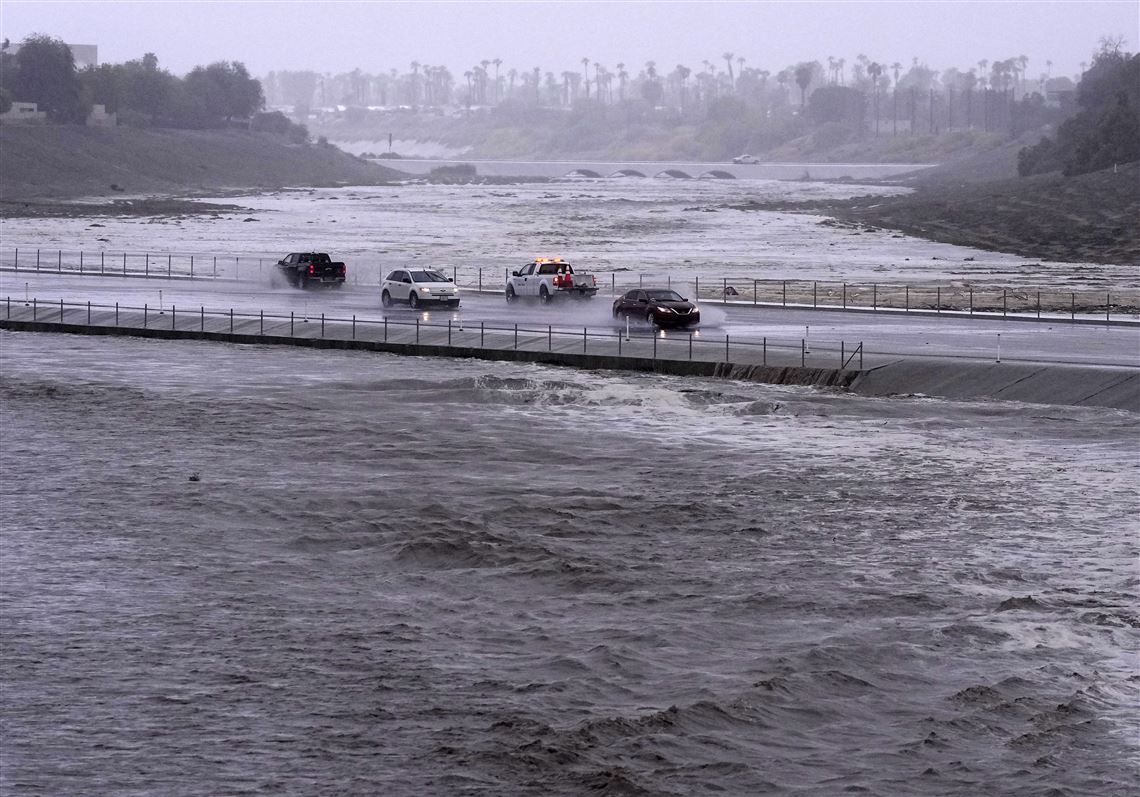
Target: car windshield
[(554, 268), (319, 257), (666, 296), (427, 276)]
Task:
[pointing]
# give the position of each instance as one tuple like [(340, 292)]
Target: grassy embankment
[(46, 163)]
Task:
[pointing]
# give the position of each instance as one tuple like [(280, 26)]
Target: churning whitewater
[(249, 570)]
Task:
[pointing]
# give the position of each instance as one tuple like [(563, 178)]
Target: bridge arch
[(580, 173), (627, 173), (676, 173), (717, 174)]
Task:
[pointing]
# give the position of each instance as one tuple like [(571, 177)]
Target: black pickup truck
[(302, 268)]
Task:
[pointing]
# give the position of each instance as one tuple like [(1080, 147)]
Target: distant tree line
[(1105, 131), (42, 70)]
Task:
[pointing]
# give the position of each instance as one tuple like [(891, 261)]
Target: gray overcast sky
[(376, 36)]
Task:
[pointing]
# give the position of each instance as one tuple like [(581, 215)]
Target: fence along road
[(779, 361)]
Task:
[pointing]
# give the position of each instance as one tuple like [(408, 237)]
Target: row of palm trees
[(682, 88)]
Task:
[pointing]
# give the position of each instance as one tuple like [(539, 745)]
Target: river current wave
[(242, 569)]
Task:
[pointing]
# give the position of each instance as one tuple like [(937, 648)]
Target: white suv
[(418, 287)]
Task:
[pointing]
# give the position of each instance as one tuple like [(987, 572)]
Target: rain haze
[(549, 399), (341, 36)]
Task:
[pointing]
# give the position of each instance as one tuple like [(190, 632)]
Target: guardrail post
[(354, 329), (938, 300), (845, 296), (261, 318), (755, 297), (516, 336), (860, 355), (481, 323), (147, 267), (168, 261), (89, 313), (1107, 307), (145, 312), (191, 266), (59, 261), (116, 313), (448, 329), (549, 338), (37, 260), (765, 350), (842, 354), (655, 345), (480, 280), (124, 264), (80, 261), (34, 301), (61, 311), (724, 291), (874, 296), (1038, 305), (417, 331), (1003, 304), (231, 321), (613, 284), (971, 301), (173, 316), (290, 323), (323, 325), (814, 294), (907, 305), (690, 346), (17, 258), (785, 291), (101, 262), (696, 289), (726, 357), (215, 265), (202, 310), (803, 353), (385, 330), (1073, 307)]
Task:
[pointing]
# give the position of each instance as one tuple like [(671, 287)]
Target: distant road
[(760, 171)]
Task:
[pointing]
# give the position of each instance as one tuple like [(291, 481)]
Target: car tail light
[(343, 269), (312, 269), (558, 280)]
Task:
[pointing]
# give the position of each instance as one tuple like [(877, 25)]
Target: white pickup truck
[(548, 277)]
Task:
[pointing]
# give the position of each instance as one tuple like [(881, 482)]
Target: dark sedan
[(658, 306)]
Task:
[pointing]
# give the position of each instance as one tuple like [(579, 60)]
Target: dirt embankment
[(1090, 218), (65, 162)]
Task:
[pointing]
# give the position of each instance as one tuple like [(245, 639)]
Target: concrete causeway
[(819, 366)]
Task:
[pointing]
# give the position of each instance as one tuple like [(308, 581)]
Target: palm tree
[(731, 78), (683, 73), (622, 76), (497, 62), (415, 81), (586, 75), (874, 69), (803, 80), (511, 75), (468, 75), (831, 68)]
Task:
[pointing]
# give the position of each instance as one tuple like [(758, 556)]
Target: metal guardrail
[(673, 345), (894, 297)]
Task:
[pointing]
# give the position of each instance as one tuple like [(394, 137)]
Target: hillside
[(65, 162), (1087, 218)]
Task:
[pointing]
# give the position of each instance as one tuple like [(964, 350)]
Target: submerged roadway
[(950, 336)]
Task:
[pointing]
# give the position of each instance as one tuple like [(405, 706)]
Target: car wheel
[(302, 281), (544, 295), (386, 299), (510, 294), (413, 300), (453, 305)]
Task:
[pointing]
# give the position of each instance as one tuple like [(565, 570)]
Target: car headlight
[(425, 290)]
